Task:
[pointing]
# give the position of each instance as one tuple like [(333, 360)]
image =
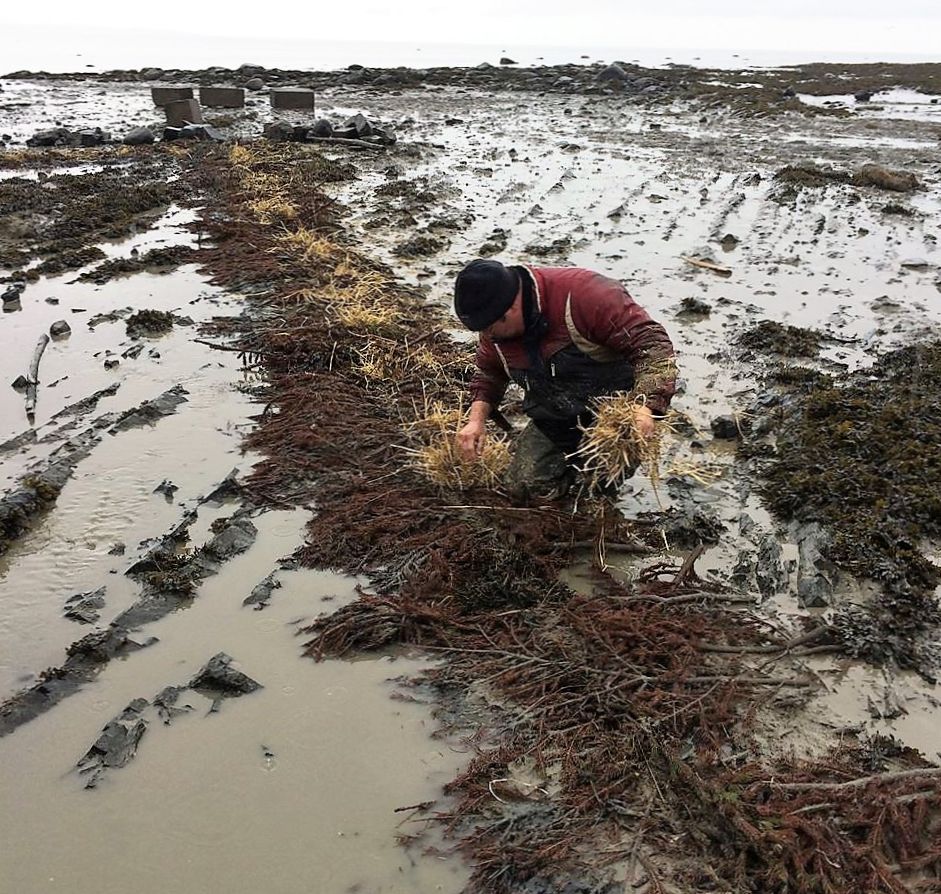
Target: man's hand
[(644, 421), (471, 439)]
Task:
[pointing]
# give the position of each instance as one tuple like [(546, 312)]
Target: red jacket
[(599, 318)]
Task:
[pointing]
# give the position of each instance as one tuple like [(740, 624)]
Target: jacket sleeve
[(606, 314), (490, 380)]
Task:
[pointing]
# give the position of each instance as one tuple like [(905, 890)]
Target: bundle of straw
[(613, 446), (443, 464), (438, 457)]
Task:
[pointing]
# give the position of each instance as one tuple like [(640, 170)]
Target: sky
[(853, 26)]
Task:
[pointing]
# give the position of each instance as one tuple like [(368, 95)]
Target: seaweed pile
[(614, 734), (859, 455)]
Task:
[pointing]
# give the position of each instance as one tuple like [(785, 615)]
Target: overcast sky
[(903, 26)]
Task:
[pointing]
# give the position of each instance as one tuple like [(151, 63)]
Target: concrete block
[(162, 95), (183, 111), (222, 97), (296, 98)]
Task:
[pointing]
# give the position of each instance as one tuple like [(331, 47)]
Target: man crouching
[(565, 335)]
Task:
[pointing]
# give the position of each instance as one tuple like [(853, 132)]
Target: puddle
[(285, 789)]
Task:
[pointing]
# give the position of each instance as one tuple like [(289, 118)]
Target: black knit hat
[(483, 292)]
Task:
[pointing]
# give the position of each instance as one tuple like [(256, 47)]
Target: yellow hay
[(702, 473), (613, 445), (442, 463), (373, 321), (273, 210), (381, 362), (434, 419), (242, 155), (307, 244)]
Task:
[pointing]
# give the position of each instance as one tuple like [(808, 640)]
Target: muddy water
[(290, 788), (287, 789)]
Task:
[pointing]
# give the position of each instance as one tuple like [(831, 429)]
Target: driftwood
[(709, 265), (344, 141), (32, 380)]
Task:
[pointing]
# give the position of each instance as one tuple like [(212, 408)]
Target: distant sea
[(73, 50)]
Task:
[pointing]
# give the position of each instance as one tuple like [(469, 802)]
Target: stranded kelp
[(860, 455), (615, 727)]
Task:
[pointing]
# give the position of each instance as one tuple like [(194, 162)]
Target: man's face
[(511, 324)]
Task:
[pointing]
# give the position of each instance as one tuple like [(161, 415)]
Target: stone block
[(222, 97), (294, 98), (163, 95), (182, 112)]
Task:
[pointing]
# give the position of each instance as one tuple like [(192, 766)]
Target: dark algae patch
[(771, 337), (861, 455)]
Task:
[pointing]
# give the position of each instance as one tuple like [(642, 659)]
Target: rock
[(86, 138), (60, 329), (219, 679), (385, 134), (13, 293), (167, 488), (506, 60), (863, 96), (279, 132), (694, 307), (83, 607), (261, 592), (139, 136), (151, 74), (770, 572), (564, 81), (725, 428), (201, 132), (788, 93), (118, 549), (58, 136), (117, 744), (915, 264), (52, 301), (612, 72), (183, 112), (111, 364), (322, 128), (254, 84), (729, 241), (19, 383), (359, 125), (815, 575)]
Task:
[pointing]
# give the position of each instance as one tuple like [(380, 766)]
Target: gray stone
[(83, 607), (219, 678), (117, 744), (725, 428), (254, 84), (612, 72), (59, 329), (261, 593), (279, 132), (915, 264), (182, 112), (139, 136), (293, 98), (163, 96), (322, 128), (222, 97), (816, 575)]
